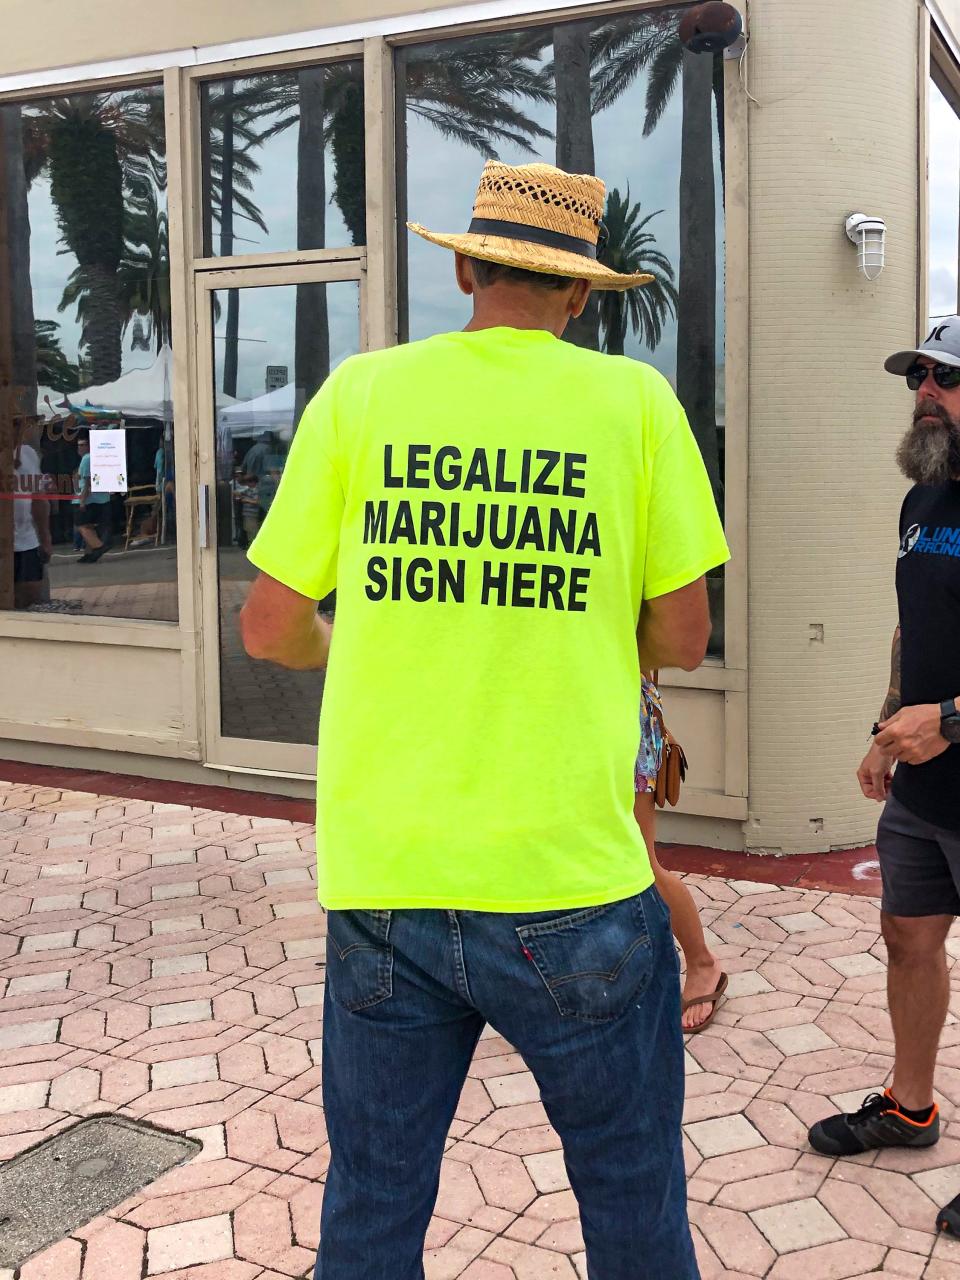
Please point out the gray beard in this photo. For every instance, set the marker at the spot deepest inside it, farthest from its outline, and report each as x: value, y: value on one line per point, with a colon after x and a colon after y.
x: 930, y: 454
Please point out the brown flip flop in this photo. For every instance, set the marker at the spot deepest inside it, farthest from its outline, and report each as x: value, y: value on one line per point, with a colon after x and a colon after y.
x: 714, y: 998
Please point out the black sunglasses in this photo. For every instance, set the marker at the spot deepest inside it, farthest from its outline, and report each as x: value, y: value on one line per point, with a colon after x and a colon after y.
x: 946, y: 376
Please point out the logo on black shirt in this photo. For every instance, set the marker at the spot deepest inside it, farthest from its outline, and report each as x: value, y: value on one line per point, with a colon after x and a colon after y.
x: 908, y: 541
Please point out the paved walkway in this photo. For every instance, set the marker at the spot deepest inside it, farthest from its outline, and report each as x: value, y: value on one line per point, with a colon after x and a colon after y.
x: 165, y: 962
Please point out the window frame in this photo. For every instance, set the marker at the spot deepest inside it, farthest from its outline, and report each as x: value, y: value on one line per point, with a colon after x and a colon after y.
x: 133, y: 632
x: 181, y: 80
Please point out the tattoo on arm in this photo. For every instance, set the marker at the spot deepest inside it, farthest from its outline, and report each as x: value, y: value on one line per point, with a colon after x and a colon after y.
x: 893, y: 701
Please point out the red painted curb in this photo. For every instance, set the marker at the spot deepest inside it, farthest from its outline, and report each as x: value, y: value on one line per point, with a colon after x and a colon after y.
x: 253, y: 804
x: 845, y: 871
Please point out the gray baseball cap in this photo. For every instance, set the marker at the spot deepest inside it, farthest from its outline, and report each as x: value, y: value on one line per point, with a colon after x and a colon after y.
x: 942, y: 344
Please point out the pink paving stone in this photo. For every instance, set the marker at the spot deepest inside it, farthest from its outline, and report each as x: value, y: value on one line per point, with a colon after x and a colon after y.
x: 180, y: 1012
x: 121, y: 1082
x: 263, y: 1231
x: 202, y: 1114
x: 852, y: 1206
x: 799, y: 1225
x: 22, y: 1034
x: 510, y: 1090
x: 184, y: 1071
x: 475, y: 1102
x: 189, y: 1243
x: 485, y: 1269
x: 525, y: 1229
x: 233, y: 1269
x: 191, y: 1206
x: 838, y: 1261
x: 564, y: 1237
x: 460, y: 1196
x: 60, y: 1262
x: 774, y: 1189
x: 743, y: 1165
x: 75, y: 1089
x: 199, y: 1175
x: 183, y: 1097
x: 253, y: 1136
x: 909, y: 1265
x: 450, y: 1259
x: 530, y: 1141
x: 734, y: 1239
x: 300, y: 1124
x: 114, y: 1252
x: 505, y: 1181
x: 529, y: 1262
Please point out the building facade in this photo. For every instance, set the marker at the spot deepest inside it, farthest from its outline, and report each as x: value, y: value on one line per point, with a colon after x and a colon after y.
x: 201, y: 214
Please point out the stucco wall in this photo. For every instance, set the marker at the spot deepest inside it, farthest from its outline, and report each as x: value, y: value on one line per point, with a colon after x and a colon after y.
x: 836, y: 132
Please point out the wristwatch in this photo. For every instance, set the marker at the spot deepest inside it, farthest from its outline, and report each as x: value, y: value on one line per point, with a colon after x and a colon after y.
x: 950, y: 720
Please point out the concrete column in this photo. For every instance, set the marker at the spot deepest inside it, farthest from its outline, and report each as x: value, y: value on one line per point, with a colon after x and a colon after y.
x: 837, y: 132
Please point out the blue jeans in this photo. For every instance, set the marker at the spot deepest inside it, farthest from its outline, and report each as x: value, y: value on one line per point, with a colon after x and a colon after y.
x: 591, y: 1000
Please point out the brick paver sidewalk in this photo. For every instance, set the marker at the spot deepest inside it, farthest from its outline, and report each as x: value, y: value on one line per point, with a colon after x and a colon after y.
x: 167, y: 963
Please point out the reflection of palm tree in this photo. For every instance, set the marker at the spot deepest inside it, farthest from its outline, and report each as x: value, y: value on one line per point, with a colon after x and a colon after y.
x: 96, y: 148
x: 466, y: 90
x: 229, y: 135
x: 142, y: 276
x: 571, y: 74
x: 629, y: 250
x: 53, y: 368
x: 466, y: 95
x: 86, y: 183
x: 312, y: 323
x: 622, y: 49
x: 15, y: 263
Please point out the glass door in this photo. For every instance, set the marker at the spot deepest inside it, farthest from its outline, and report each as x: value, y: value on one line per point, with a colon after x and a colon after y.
x: 268, y: 337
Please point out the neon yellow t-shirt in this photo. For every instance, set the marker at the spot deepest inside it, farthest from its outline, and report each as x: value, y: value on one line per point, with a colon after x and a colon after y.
x: 491, y: 507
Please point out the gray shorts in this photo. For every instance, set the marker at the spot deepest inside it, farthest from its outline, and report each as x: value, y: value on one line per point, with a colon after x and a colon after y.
x: 919, y: 864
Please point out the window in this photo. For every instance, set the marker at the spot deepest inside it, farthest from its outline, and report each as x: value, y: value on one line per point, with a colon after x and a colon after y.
x: 85, y: 283
x: 944, y: 200
x: 283, y: 163
x: 614, y: 96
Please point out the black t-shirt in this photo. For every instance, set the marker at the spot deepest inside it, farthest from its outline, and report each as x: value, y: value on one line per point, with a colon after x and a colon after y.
x: 928, y: 589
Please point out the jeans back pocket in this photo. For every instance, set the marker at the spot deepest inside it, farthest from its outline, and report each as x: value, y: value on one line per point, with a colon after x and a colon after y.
x: 595, y: 963
x: 359, y: 958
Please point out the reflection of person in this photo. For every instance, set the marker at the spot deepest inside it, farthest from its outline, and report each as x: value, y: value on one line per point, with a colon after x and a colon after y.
x: 705, y: 981
x: 262, y: 466
x: 92, y: 510
x: 494, y: 507
x: 32, y: 546
x: 918, y: 840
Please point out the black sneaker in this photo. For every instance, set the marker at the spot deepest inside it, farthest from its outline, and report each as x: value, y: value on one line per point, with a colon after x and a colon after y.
x: 878, y: 1123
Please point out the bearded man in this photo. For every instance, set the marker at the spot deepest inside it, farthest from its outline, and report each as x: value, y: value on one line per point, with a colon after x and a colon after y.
x: 918, y: 734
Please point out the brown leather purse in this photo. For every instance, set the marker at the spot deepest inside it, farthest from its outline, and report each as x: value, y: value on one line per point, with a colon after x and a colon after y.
x: 673, y: 767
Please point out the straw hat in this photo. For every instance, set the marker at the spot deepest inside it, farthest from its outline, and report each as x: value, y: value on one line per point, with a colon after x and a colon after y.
x: 538, y: 218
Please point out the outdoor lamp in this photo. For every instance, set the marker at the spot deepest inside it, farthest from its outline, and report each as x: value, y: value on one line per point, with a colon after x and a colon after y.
x: 870, y: 236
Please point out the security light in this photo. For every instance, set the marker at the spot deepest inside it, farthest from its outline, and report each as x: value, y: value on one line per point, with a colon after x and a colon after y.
x: 870, y: 236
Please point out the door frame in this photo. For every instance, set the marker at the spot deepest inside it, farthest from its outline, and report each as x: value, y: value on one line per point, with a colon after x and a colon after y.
x: 222, y: 751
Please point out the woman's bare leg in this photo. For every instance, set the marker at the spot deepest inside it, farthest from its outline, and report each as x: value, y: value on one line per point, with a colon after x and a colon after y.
x: 703, y: 970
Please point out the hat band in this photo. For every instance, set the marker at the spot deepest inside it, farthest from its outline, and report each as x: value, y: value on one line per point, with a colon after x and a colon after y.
x: 534, y: 235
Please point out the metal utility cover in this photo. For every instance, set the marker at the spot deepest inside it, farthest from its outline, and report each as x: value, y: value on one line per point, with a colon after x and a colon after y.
x: 49, y: 1191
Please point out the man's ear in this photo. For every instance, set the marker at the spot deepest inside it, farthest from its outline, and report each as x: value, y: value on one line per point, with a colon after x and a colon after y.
x: 465, y: 281
x: 579, y: 298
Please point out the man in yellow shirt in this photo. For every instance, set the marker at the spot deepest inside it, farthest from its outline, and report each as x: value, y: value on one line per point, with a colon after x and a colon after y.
x: 515, y: 527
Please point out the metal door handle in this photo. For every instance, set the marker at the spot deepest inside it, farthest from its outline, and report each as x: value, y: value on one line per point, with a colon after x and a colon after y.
x: 203, y: 512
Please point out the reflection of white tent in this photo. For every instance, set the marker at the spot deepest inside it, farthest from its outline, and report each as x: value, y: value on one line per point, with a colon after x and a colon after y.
x: 276, y: 411
x: 49, y: 403
x: 141, y: 393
